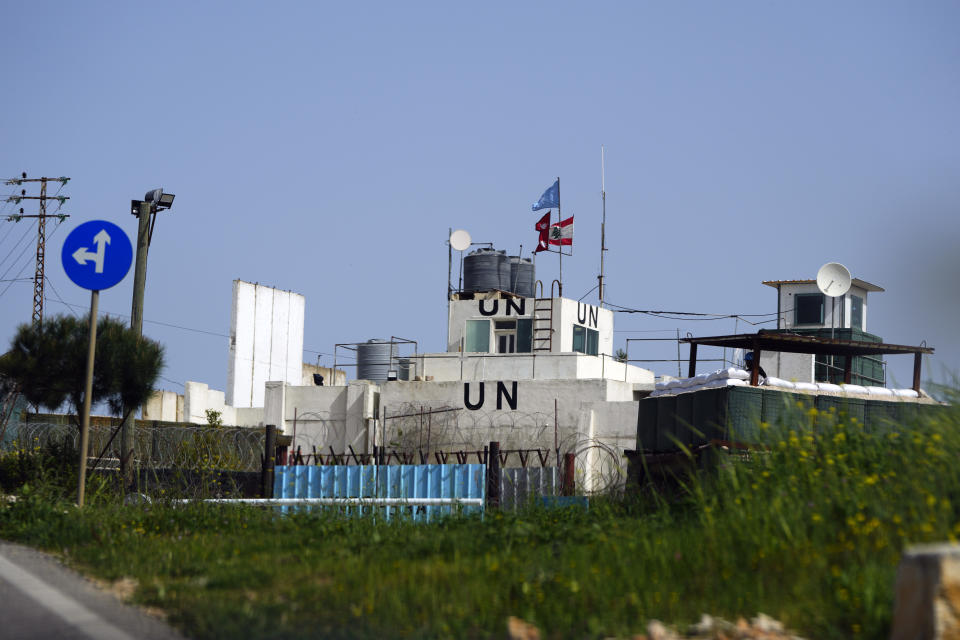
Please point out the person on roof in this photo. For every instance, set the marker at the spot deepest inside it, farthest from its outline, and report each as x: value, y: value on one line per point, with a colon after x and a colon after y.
x: 748, y: 365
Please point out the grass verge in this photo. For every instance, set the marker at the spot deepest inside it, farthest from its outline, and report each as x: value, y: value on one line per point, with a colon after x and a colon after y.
x: 809, y: 530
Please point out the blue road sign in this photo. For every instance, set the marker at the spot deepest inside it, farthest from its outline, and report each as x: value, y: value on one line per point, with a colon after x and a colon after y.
x: 97, y: 255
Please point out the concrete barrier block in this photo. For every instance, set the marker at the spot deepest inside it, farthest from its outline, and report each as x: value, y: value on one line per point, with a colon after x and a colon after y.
x: 927, y: 593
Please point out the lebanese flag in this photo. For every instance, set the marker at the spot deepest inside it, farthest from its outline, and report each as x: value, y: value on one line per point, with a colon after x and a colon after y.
x: 543, y: 226
x: 562, y: 232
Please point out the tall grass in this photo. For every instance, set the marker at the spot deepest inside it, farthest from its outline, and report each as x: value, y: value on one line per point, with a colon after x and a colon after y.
x: 808, y: 528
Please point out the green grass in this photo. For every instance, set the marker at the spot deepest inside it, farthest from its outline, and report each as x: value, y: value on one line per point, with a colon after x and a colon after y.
x: 809, y: 531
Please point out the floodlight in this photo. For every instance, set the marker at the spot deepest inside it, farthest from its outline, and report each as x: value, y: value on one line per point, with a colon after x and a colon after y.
x: 159, y: 199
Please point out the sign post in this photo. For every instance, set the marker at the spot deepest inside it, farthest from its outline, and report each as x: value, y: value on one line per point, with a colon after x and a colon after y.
x: 96, y: 255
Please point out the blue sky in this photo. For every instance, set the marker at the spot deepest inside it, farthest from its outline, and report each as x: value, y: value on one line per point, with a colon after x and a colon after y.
x: 327, y: 148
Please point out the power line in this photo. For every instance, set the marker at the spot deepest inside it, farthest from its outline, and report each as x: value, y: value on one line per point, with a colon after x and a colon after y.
x: 171, y: 381
x: 19, y: 242
x: 168, y: 324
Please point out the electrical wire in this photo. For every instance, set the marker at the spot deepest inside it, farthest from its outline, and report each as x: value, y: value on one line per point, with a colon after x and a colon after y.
x: 80, y: 308
x: 171, y: 381
x: 26, y: 232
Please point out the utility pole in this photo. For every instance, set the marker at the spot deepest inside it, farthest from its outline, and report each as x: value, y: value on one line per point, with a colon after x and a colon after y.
x: 146, y: 212
x: 41, y: 216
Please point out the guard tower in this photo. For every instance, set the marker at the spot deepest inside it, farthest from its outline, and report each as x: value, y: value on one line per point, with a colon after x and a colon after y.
x: 804, y: 309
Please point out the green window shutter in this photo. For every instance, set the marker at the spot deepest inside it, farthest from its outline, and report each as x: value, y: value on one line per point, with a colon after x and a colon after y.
x: 579, y: 338
x: 856, y: 312
x: 524, y: 335
x: 478, y: 336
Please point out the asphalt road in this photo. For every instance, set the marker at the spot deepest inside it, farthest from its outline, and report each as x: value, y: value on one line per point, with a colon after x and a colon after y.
x: 40, y: 598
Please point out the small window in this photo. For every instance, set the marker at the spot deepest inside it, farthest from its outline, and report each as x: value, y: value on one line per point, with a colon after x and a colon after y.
x: 808, y: 308
x: 478, y: 336
x: 505, y: 324
x: 856, y: 312
x: 585, y: 340
x: 524, y: 335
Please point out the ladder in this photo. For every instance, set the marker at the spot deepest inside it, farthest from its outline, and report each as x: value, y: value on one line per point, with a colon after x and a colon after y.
x: 543, y: 324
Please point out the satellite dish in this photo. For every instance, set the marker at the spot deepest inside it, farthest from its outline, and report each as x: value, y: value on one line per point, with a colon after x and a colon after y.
x: 833, y: 279
x: 460, y: 240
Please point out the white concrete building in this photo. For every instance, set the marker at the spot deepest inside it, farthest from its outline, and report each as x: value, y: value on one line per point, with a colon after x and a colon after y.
x: 529, y: 373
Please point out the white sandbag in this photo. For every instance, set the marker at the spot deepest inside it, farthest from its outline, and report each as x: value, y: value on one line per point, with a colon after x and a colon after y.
x: 728, y: 382
x: 779, y: 383
x: 731, y: 373
x: 673, y: 383
x: 879, y: 391
x: 854, y: 388
x: 701, y: 378
x: 805, y: 386
x: 829, y: 387
x: 906, y: 393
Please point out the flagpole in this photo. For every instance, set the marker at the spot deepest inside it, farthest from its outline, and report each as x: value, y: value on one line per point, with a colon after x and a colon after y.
x: 560, y: 252
x: 603, y: 224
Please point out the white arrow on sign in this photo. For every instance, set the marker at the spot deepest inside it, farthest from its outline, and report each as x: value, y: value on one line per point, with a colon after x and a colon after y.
x: 81, y: 255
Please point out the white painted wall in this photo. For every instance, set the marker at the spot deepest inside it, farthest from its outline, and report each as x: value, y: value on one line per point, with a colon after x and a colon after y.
x: 566, y: 313
x: 841, y: 306
x: 165, y: 406
x: 266, y: 341
x: 596, y: 418
x: 199, y: 397
x: 795, y: 367
x: 440, y: 367
x: 587, y: 315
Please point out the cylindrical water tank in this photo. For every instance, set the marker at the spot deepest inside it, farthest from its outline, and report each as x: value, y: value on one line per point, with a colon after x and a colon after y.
x: 374, y: 359
x: 485, y: 270
x: 522, y: 276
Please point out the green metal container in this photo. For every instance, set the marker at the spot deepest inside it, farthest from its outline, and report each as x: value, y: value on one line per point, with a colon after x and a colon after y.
x: 684, y: 425
x: 880, y: 416
x: 666, y: 424
x: 647, y: 424
x: 744, y: 413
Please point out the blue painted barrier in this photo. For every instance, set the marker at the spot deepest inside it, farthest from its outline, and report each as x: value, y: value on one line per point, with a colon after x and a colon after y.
x: 407, y: 482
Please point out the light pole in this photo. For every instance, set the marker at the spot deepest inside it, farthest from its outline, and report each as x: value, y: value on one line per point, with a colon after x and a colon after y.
x: 146, y: 211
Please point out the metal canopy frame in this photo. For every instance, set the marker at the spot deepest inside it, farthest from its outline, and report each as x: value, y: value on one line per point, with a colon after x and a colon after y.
x: 796, y: 343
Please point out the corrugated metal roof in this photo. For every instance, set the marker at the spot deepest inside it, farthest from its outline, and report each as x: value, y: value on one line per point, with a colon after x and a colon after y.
x: 857, y: 282
x: 787, y: 342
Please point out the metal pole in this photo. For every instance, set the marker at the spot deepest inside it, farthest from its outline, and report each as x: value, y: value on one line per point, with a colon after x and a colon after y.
x: 560, y: 219
x: 556, y: 429
x: 493, y: 475
x: 127, y: 430
x: 603, y: 223
x: 88, y: 391
x: 449, y: 275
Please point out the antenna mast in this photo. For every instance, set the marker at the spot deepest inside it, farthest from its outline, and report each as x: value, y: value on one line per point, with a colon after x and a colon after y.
x: 603, y: 225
